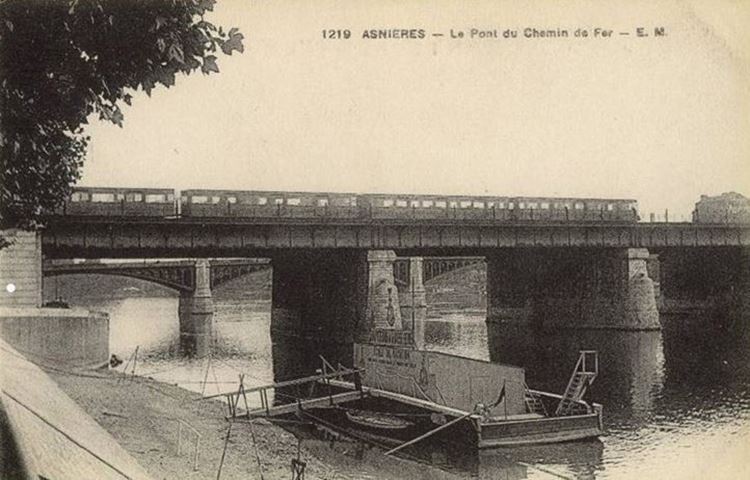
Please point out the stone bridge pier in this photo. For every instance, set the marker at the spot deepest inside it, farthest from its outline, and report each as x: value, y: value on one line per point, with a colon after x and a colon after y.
x: 713, y: 281
x: 413, y: 301
x: 196, y: 312
x: 337, y: 296
x: 606, y: 288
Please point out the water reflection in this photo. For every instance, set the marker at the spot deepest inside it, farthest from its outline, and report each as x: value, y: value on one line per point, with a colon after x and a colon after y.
x: 672, y: 398
x: 631, y: 363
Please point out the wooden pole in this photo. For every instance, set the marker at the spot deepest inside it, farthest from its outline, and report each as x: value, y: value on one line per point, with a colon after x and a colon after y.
x: 505, y: 400
x: 428, y: 434
x: 257, y: 455
x: 135, y: 360
x: 205, y: 377
x: 224, y: 452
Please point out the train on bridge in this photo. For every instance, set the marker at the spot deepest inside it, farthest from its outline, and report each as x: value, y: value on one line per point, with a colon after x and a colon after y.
x: 217, y: 204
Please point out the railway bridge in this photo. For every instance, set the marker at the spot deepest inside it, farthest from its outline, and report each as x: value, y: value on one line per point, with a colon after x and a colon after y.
x: 196, y: 279
x: 343, y: 275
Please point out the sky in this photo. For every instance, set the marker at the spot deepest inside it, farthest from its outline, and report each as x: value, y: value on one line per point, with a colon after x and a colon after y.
x: 658, y: 119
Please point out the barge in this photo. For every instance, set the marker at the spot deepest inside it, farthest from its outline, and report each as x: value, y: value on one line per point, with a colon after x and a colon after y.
x: 403, y: 395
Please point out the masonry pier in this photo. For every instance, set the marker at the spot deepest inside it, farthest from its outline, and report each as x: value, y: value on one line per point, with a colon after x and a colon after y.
x: 413, y: 301
x: 196, y: 312
x: 336, y: 295
x: 699, y: 280
x: 604, y: 288
x: 64, y: 337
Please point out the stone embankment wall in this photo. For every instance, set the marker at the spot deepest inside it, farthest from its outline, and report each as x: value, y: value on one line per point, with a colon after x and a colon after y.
x: 57, y: 337
x: 21, y: 270
x: 61, y: 337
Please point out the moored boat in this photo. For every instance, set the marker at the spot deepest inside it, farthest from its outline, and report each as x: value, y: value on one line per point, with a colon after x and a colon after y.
x: 377, y: 420
x: 407, y: 394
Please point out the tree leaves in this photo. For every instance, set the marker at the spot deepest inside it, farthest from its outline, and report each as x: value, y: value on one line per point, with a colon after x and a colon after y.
x: 209, y: 65
x: 60, y: 61
x: 234, y: 42
x: 175, y: 53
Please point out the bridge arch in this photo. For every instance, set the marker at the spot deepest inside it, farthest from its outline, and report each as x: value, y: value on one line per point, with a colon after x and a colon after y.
x: 432, y: 268
x: 177, y: 275
x: 180, y: 281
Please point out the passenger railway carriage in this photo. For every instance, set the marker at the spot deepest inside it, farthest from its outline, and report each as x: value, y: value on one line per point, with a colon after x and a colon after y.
x: 140, y: 202
x: 267, y: 204
x: 498, y: 208
x: 362, y: 207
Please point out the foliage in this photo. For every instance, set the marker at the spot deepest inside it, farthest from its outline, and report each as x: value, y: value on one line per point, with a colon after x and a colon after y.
x: 61, y: 61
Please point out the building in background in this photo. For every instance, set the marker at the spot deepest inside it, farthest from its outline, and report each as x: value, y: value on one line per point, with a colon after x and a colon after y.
x: 728, y: 207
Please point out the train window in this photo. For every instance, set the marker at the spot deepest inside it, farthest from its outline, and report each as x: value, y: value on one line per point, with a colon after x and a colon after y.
x: 465, y: 203
x: 198, y: 199
x: 387, y: 203
x: 215, y: 200
x: 521, y: 205
x: 610, y: 207
x: 579, y: 206
x: 453, y: 204
x: 545, y: 205
x: 120, y: 196
x: 322, y: 202
x: 155, y: 198
x: 478, y: 204
x: 293, y: 201
x: 511, y: 205
x: 532, y: 205
x: 415, y: 203
x: 170, y: 197
x: 134, y: 197
x: 427, y: 203
x: 76, y: 197
x: 278, y: 201
x: 441, y: 204
x: 353, y: 201
x: 567, y: 205
x: 501, y: 205
x: 231, y: 199
x: 400, y: 203
x: 262, y: 201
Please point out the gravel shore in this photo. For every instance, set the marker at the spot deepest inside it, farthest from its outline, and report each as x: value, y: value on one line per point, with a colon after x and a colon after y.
x: 142, y: 415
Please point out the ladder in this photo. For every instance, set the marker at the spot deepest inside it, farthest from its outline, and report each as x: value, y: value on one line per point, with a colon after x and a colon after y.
x: 534, y: 404
x: 584, y: 373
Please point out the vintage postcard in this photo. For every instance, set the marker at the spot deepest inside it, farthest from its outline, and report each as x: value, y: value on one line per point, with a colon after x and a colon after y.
x: 375, y: 239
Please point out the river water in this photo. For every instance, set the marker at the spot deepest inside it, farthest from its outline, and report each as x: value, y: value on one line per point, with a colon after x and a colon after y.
x: 677, y: 402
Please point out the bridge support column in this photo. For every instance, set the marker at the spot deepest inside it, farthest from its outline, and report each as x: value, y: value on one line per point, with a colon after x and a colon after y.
x: 637, y: 294
x: 707, y: 281
x: 319, y: 294
x: 383, y: 309
x: 653, y: 267
x: 578, y: 289
x: 21, y: 270
x: 339, y: 295
x: 509, y: 286
x: 743, y: 286
x: 196, y: 312
x: 599, y: 289
x: 413, y: 301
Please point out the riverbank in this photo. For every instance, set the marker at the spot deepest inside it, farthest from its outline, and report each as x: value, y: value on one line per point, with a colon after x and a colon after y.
x: 141, y: 414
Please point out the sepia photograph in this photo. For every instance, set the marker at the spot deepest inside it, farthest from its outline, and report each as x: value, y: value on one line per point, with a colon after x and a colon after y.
x: 343, y: 240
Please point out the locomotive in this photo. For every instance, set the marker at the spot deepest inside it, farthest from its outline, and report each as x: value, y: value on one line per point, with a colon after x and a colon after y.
x: 168, y: 203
